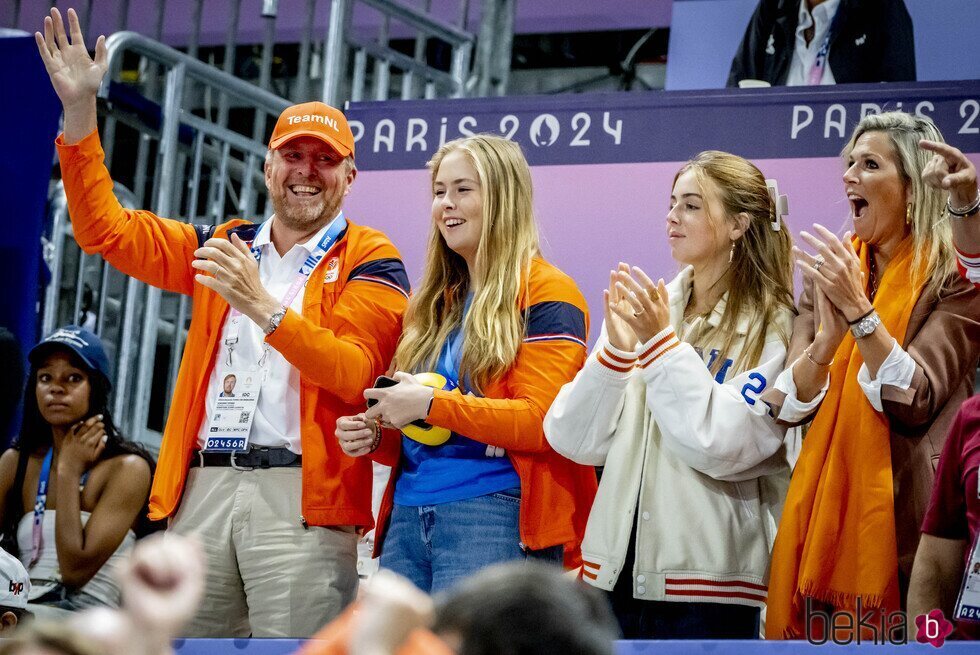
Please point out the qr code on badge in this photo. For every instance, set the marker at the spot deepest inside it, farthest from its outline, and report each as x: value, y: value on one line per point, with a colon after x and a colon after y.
x: 243, y: 418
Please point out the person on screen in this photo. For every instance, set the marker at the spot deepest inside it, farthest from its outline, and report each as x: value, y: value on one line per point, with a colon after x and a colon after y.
x: 814, y: 42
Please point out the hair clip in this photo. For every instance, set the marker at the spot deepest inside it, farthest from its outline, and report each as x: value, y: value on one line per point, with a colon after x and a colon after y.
x: 780, y: 202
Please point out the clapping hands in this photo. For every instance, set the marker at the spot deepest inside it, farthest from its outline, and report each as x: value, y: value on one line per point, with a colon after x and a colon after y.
x: 636, y: 308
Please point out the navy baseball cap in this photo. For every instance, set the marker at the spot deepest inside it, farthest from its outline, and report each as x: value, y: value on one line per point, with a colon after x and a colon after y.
x: 78, y: 340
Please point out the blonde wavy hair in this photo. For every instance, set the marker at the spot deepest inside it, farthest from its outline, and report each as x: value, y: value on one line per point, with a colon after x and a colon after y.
x: 932, y: 235
x: 494, y: 327
x: 761, y: 271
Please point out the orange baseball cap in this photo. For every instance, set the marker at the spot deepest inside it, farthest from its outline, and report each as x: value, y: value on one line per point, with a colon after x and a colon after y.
x: 314, y: 119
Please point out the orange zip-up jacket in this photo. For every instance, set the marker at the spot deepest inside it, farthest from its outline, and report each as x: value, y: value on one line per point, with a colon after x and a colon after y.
x: 556, y: 493
x: 343, y: 340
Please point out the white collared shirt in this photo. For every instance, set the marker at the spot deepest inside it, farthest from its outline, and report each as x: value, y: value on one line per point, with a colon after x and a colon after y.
x: 804, y: 55
x: 277, y: 421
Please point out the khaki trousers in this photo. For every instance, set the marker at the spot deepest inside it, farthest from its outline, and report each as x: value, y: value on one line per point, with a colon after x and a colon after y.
x: 267, y: 575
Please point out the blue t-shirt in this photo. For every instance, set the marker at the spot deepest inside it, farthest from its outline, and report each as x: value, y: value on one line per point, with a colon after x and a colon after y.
x: 460, y: 468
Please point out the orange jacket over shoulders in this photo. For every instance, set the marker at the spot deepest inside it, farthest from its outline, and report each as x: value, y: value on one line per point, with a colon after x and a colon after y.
x: 556, y: 493
x: 343, y: 339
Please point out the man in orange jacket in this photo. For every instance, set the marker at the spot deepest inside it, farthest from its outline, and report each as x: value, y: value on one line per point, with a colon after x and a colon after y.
x: 304, y: 310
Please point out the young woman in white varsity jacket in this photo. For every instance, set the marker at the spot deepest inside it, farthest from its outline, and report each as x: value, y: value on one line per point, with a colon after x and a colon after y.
x: 668, y: 402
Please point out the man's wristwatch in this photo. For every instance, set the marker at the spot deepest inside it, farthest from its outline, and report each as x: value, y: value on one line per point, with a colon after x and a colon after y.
x: 866, y: 325
x: 274, y: 321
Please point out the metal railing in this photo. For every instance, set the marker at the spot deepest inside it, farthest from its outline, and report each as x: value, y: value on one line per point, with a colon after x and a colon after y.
x: 394, y: 49
x: 388, y: 64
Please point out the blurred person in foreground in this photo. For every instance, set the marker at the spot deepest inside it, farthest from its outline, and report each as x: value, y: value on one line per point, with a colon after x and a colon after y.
x: 530, y: 609
x: 162, y: 583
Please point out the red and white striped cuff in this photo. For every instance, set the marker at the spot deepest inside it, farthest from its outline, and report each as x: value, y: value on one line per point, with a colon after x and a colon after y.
x: 970, y: 264
x: 661, y: 343
x: 721, y: 591
x: 590, y: 570
x: 615, y: 360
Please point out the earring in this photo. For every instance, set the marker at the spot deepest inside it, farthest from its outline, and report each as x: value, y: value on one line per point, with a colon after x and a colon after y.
x: 731, y: 253
x: 908, y: 214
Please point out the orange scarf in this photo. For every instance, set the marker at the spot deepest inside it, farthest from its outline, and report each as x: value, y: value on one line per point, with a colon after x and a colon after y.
x: 836, y: 540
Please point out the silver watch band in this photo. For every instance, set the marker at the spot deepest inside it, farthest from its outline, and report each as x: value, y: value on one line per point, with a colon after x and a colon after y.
x: 275, y: 320
x: 866, y: 325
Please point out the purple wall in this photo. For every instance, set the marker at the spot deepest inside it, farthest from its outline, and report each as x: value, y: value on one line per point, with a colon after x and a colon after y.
x: 600, y: 201
x: 592, y: 217
x: 533, y: 16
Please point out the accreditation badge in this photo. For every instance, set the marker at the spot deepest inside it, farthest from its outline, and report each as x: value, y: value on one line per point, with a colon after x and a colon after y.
x: 968, y: 603
x: 234, y: 410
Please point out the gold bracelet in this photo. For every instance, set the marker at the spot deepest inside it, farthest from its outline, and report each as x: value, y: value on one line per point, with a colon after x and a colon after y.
x: 377, y: 435
x: 806, y: 351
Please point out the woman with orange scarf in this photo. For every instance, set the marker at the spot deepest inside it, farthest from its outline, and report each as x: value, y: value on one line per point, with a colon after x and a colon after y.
x: 883, y: 352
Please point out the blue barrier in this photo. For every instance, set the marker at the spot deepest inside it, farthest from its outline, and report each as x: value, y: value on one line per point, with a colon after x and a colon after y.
x: 29, y: 114
x: 286, y: 646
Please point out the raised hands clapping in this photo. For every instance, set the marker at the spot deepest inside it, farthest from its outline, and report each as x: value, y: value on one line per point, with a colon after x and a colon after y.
x: 638, y: 303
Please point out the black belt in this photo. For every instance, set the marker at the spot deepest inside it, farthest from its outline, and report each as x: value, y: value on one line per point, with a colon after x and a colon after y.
x: 256, y: 458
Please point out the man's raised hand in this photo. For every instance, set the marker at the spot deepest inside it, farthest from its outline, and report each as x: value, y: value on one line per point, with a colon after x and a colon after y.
x: 74, y: 75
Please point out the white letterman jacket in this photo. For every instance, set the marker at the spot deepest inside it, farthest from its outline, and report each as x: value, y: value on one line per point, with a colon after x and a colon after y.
x: 701, y: 461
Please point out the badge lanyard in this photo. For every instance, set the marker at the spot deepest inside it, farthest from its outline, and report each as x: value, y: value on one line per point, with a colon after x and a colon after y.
x: 39, y: 505
x: 326, y: 242
x: 816, y: 71
x: 967, y: 606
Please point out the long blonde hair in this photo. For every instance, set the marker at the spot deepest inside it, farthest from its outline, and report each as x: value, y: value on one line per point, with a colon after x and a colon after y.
x: 494, y: 327
x: 761, y: 271
x: 932, y: 235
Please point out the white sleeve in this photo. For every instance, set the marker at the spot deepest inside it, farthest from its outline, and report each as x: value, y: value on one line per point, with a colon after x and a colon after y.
x: 793, y: 409
x: 896, y: 371
x: 971, y: 266
x: 582, y: 419
x: 721, y: 429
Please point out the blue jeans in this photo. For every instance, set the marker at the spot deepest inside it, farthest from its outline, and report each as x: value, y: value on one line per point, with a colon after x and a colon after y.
x: 435, y: 546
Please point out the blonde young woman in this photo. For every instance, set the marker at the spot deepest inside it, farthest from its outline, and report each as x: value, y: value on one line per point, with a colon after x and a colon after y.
x: 884, y: 352
x: 506, y: 330
x: 668, y: 403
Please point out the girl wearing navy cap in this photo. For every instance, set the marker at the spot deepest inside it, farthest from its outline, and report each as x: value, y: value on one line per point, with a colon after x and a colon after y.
x: 88, y: 486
